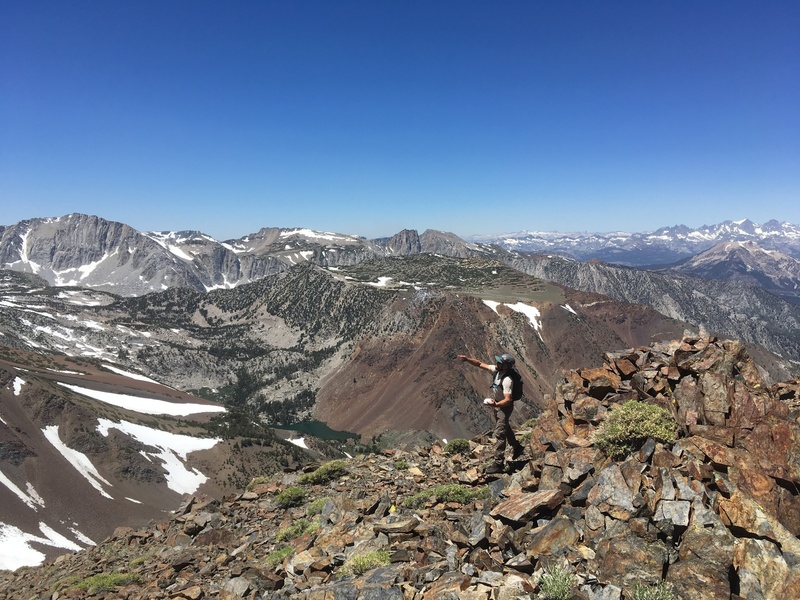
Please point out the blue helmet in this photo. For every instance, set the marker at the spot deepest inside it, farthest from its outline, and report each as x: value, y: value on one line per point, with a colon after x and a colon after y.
x: 505, y: 360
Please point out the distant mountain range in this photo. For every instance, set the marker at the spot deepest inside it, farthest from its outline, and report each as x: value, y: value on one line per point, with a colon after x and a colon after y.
x: 664, y: 246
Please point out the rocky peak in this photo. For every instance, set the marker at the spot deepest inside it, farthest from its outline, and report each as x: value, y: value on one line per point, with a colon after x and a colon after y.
x: 405, y: 243
x: 714, y: 515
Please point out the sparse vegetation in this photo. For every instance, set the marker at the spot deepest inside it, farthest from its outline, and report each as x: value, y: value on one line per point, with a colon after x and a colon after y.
x: 324, y: 474
x: 556, y: 583
x: 457, y: 446
x: 102, y: 582
x: 628, y: 426
x: 451, y: 492
x: 291, y: 496
x: 279, y: 556
x: 296, y: 529
x: 660, y: 591
x: 316, y: 506
x: 401, y: 465
x: 256, y: 481
x: 361, y: 563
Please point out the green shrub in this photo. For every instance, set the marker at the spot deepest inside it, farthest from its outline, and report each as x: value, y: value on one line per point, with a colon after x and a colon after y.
x: 315, y: 508
x: 556, y: 584
x: 279, y: 556
x: 457, y: 446
x: 660, y: 591
x: 254, y: 482
x: 296, y: 529
x: 401, y: 465
x: 628, y: 427
x: 452, y: 492
x: 361, y: 563
x: 291, y: 496
x: 325, y: 473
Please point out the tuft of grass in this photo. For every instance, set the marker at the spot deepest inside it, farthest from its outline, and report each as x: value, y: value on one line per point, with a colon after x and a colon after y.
x: 105, y: 582
x: 325, y: 473
x: 291, y: 496
x: 278, y: 556
x: 296, y: 529
x: 660, y: 591
x: 451, y: 492
x: 254, y: 482
x: 315, y: 508
x: 556, y: 583
x: 628, y: 426
x: 457, y: 446
x: 361, y: 563
x: 401, y: 465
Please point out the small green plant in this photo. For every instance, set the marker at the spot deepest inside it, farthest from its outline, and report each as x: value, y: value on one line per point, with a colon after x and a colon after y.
x: 628, y: 427
x: 315, y: 508
x: 556, y: 584
x: 457, y: 446
x: 401, y: 465
x: 254, y: 482
x: 296, y: 529
x: 361, y: 563
x: 451, y: 492
x: 279, y: 556
x: 324, y: 474
x: 530, y: 422
x: 660, y: 591
x: 291, y: 496
x: 106, y: 582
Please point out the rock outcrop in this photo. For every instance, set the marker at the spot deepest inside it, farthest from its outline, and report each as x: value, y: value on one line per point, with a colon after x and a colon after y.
x: 714, y: 514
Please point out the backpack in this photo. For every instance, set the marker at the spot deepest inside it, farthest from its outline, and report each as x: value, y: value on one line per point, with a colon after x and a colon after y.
x: 516, y: 378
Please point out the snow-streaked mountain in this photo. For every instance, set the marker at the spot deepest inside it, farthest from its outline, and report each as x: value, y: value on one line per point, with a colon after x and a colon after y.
x: 770, y: 270
x: 91, y: 252
x: 85, y: 446
x: 664, y: 246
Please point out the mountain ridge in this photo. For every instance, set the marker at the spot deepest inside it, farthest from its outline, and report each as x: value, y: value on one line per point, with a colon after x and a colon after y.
x: 661, y: 247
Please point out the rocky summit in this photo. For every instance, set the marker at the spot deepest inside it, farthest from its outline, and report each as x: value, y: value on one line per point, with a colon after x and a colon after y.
x: 712, y: 514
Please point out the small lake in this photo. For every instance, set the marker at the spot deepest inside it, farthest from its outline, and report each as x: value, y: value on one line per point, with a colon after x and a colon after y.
x: 318, y: 429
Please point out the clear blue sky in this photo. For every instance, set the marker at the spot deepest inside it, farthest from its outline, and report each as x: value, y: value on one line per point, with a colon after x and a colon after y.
x: 374, y: 116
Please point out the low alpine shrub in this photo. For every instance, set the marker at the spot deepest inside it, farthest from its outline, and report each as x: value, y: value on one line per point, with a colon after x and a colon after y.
x: 361, y: 563
x: 291, y: 496
x: 660, y: 591
x: 557, y: 584
x: 296, y: 529
x: 315, y: 508
x: 628, y: 426
x: 457, y: 446
x: 452, y: 492
x: 324, y: 474
x: 279, y: 556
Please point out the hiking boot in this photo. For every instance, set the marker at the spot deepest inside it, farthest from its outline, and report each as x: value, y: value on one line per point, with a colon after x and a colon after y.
x: 518, y: 451
x: 494, y: 468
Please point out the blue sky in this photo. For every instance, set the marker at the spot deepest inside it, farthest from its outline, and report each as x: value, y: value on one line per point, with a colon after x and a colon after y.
x: 374, y: 116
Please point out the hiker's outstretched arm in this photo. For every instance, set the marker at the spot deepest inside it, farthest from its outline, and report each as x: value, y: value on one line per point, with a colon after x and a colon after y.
x: 474, y: 362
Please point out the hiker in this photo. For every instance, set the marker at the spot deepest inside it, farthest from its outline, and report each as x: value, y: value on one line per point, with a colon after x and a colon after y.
x: 502, y: 401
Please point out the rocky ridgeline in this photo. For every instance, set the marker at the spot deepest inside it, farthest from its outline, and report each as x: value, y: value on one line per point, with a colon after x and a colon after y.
x: 715, y: 514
